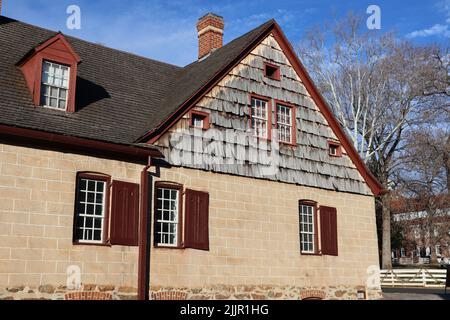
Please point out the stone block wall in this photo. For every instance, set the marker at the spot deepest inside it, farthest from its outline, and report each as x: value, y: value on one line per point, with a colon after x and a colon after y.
x: 253, y: 229
x: 37, y: 195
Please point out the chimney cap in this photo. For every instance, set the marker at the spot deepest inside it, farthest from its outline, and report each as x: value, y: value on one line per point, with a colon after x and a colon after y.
x: 210, y: 14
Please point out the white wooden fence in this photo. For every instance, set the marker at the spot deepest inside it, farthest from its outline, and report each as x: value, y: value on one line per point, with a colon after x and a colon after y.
x: 428, y: 278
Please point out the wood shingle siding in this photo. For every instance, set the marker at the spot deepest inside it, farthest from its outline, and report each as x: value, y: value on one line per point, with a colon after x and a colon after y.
x: 308, y: 163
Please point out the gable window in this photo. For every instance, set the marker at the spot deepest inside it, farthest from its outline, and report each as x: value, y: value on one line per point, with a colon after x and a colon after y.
x: 199, y: 120
x: 260, y: 120
x: 168, y: 215
x: 272, y: 71
x: 334, y: 149
x: 55, y: 85
x: 285, y: 123
x: 90, y: 209
x: 307, y: 227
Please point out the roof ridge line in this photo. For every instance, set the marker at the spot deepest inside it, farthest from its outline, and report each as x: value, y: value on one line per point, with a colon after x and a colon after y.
x: 90, y: 42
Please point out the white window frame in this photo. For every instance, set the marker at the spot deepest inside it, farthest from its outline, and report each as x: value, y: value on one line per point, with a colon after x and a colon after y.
x: 258, y: 119
x: 86, y: 215
x: 284, y: 127
x: 160, y: 222
x: 307, y: 218
x: 50, y: 86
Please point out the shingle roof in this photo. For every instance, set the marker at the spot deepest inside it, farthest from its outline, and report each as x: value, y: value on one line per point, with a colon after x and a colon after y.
x: 120, y: 96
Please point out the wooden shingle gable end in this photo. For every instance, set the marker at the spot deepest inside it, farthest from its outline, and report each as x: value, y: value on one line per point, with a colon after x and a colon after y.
x: 274, y: 30
x: 56, y: 50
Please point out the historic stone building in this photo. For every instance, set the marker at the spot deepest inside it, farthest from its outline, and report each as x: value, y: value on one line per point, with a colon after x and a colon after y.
x: 125, y: 177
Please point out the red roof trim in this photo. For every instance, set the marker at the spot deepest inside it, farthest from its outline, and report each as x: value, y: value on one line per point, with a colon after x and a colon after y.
x: 156, y: 133
x: 76, y: 144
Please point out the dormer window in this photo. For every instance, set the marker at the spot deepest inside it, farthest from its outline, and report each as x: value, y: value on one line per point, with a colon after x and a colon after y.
x: 50, y: 71
x: 55, y: 85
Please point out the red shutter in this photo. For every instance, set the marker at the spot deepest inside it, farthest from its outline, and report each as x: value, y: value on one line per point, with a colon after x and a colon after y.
x: 124, y: 213
x: 328, y: 230
x: 196, y: 220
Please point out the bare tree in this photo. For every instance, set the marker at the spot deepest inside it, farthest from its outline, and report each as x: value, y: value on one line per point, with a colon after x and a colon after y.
x: 377, y: 87
x: 423, y: 178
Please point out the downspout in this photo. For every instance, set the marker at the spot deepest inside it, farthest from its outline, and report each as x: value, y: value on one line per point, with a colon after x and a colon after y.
x: 144, y: 234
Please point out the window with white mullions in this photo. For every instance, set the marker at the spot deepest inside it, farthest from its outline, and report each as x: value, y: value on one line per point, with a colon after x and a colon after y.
x: 307, y: 228
x: 260, y: 118
x: 167, y: 213
x: 284, y: 123
x: 90, y: 210
x: 55, y: 85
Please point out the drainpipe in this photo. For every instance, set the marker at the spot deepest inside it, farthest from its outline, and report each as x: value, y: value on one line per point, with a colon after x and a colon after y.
x: 144, y: 234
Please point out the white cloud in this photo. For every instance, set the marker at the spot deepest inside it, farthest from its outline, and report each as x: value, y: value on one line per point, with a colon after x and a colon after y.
x: 437, y: 29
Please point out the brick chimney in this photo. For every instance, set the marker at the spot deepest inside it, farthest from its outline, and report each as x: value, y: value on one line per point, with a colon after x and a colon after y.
x: 210, y: 33
x: 0, y: 7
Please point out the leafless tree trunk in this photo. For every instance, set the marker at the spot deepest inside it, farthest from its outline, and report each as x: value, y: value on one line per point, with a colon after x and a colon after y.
x: 386, y: 261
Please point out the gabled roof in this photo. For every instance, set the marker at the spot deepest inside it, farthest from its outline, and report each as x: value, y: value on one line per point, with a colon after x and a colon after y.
x: 117, y: 92
x: 42, y: 46
x: 126, y: 99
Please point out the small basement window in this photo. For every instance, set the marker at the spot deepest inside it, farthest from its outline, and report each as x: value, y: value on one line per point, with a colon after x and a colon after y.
x: 272, y: 71
x: 199, y: 120
x: 334, y: 149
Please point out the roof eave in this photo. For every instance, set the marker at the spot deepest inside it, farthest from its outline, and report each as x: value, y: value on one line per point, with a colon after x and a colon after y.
x: 76, y: 144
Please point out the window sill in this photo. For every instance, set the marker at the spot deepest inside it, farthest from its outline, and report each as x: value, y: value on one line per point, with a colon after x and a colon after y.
x: 287, y: 144
x: 100, y: 244
x: 310, y: 254
x: 167, y: 247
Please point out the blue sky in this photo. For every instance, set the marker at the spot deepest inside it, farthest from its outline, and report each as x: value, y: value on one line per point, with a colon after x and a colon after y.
x: 165, y: 30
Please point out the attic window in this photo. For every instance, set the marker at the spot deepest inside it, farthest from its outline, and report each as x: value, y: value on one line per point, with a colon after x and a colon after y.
x: 199, y: 120
x: 50, y: 71
x: 55, y: 85
x: 272, y: 71
x: 334, y: 149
